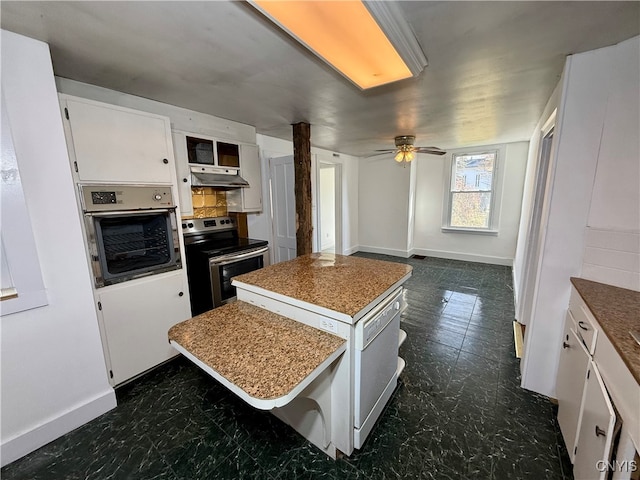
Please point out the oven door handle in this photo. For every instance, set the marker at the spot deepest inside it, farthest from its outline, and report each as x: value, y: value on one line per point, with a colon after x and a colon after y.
x: 231, y: 258
x: 115, y: 213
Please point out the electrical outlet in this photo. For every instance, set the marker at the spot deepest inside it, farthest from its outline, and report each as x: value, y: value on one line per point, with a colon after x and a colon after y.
x: 329, y: 325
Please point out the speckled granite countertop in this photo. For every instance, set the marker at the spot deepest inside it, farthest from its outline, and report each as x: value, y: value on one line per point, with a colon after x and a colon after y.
x: 337, y: 282
x: 263, y: 353
x: 617, y: 311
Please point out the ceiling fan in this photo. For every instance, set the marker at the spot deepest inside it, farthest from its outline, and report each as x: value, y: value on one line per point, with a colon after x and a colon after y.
x: 405, y: 151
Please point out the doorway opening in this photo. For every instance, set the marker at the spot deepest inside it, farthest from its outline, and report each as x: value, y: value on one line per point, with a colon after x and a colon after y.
x: 329, y: 223
x: 537, y: 222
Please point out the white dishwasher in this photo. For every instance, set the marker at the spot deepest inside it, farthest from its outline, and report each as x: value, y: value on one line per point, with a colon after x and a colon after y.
x: 376, y: 363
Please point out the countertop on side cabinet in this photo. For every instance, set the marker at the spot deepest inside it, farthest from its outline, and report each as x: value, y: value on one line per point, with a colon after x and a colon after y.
x: 617, y: 311
x: 263, y: 353
x: 336, y: 282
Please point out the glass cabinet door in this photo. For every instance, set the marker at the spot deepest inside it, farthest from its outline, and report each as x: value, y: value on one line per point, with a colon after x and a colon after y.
x: 228, y: 155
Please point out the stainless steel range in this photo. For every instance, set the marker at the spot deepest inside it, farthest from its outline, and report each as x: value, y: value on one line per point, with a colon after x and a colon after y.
x: 215, y: 254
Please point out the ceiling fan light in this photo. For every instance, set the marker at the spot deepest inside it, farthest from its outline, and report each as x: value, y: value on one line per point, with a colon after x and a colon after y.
x: 399, y: 156
x: 409, y: 156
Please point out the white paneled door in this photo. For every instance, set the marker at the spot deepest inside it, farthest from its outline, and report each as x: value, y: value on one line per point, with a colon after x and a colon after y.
x: 284, y: 208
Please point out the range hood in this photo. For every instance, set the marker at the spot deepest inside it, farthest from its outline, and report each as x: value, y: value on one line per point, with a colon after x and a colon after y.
x: 216, y: 177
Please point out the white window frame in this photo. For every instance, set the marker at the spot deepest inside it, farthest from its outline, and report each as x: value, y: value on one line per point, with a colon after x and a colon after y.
x: 496, y: 191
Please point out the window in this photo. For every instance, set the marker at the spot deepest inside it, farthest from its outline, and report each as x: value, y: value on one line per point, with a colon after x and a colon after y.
x: 22, y: 287
x: 471, y: 192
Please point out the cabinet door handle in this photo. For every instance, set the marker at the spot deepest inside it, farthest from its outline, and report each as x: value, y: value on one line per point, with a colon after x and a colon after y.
x: 565, y: 345
x: 581, y: 325
x: 165, y: 161
x: 181, y: 294
x: 185, y: 180
x: 600, y: 432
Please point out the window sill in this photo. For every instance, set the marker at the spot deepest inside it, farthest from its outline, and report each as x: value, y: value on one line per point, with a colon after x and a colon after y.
x: 473, y: 231
x: 8, y: 294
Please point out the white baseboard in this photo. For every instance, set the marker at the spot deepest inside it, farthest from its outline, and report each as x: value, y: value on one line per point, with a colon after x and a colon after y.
x: 27, y: 442
x: 468, y: 257
x: 385, y: 251
x: 351, y: 250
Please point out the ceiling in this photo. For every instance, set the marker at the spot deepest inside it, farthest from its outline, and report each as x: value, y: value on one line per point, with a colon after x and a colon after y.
x: 492, y: 65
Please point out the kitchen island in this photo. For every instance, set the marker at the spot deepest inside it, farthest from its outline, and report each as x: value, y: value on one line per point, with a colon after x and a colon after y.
x: 350, y: 305
x: 342, y: 287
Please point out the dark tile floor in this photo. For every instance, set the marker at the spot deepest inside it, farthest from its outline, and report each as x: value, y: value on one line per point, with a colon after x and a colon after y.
x: 458, y: 412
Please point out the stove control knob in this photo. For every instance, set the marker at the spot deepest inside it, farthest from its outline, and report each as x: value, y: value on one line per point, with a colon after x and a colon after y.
x: 157, y: 197
x: 190, y: 225
x: 184, y: 225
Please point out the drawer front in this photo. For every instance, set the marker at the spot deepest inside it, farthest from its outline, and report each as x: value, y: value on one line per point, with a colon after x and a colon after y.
x: 586, y: 326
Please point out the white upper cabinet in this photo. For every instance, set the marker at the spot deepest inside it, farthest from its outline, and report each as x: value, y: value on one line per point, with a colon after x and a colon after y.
x: 108, y: 143
x: 247, y: 199
x: 203, y: 151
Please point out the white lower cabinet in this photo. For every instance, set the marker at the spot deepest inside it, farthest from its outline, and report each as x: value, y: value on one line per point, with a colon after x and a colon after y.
x: 586, y: 414
x: 595, y: 437
x: 135, y: 317
x: 572, y: 372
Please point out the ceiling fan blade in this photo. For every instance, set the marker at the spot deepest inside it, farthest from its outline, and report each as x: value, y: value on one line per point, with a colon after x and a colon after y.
x: 387, y: 150
x: 379, y: 153
x: 430, y: 150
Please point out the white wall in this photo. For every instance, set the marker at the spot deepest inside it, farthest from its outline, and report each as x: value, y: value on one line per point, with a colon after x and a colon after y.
x: 612, y: 247
x: 612, y: 257
x: 181, y: 118
x: 53, y: 372
x: 429, y: 239
x: 615, y: 203
x: 384, y: 205
x: 590, y: 99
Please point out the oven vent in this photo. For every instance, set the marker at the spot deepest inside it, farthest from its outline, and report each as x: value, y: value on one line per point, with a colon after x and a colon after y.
x: 216, y: 177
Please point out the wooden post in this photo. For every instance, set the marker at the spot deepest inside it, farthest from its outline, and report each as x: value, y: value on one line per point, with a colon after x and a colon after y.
x: 302, y: 169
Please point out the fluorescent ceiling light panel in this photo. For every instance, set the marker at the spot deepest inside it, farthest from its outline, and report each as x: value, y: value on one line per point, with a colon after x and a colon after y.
x: 368, y: 51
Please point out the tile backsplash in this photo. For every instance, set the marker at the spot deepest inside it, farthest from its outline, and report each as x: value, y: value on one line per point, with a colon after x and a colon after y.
x: 208, y: 202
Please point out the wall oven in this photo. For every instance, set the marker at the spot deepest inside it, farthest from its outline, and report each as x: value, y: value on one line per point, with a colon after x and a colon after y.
x: 131, y: 231
x: 215, y: 254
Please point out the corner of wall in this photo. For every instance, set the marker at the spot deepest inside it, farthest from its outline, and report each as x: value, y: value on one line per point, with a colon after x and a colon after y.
x: 75, y: 417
